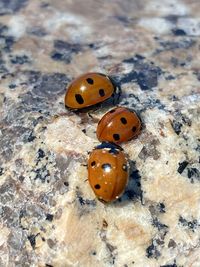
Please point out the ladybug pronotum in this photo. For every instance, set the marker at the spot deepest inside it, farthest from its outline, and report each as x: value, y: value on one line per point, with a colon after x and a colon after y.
x: 90, y: 89
x: 108, y: 171
x: 118, y: 125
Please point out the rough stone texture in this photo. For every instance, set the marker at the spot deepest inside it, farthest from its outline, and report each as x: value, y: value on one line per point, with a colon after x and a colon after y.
x: 49, y: 215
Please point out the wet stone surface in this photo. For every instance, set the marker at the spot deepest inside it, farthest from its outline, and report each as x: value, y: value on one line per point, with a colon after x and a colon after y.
x: 49, y: 216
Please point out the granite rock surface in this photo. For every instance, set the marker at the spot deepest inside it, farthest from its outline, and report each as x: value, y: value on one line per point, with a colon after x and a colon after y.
x: 49, y: 215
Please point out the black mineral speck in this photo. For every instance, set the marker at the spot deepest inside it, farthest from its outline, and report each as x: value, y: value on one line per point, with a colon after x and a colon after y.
x: 133, y: 189
x: 20, y: 60
x: 31, y: 238
x: 191, y: 225
x: 41, y: 153
x: 181, y: 44
x: 12, y: 86
x: 42, y: 174
x: 193, y: 174
x: 58, y: 56
x: 156, y: 223
x: 161, y: 207
x: 49, y: 217
x: 11, y: 6
x: 179, y: 32
x: 48, y: 85
x: 145, y: 74
x: 182, y: 166
x: 170, y: 77
x: 3, y: 29
x: 63, y: 51
x: 8, y: 43
x: 37, y: 31
x: 152, y: 251
x: 85, y: 202
x: 66, y: 184
x: 169, y: 265
x: 1, y: 171
x: 31, y: 137
x: 172, y: 244
x: 176, y: 126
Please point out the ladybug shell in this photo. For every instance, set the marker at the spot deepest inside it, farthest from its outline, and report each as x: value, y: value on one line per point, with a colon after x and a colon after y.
x: 87, y: 90
x: 118, y: 125
x: 107, y: 173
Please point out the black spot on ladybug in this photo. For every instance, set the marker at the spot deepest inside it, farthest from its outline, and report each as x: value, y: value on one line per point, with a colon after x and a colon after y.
x: 90, y: 81
x: 101, y: 92
x: 116, y: 137
x: 125, y: 167
x: 112, y: 111
x: 93, y: 163
x: 106, y: 167
x: 79, y: 99
x: 134, y: 129
x: 123, y: 120
x: 97, y: 186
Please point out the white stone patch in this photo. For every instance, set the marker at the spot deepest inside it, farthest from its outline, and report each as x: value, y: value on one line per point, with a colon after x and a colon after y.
x: 191, y: 99
x: 64, y: 136
x: 167, y: 7
x: 157, y: 25
x: 17, y: 26
x: 76, y: 25
x: 190, y: 25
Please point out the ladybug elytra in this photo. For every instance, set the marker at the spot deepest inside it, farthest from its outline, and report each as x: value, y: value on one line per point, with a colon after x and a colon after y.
x: 89, y: 89
x: 108, y: 171
x: 118, y: 125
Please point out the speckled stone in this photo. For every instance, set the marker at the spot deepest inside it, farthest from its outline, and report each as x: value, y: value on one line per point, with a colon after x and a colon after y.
x: 49, y: 215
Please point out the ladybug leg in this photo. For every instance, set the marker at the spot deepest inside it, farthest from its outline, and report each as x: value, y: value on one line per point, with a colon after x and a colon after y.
x: 84, y: 165
x: 92, y: 116
x: 117, y: 91
x: 102, y: 201
x: 116, y: 95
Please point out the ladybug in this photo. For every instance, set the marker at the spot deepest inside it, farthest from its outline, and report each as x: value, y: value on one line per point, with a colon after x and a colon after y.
x: 108, y: 171
x: 118, y: 125
x: 90, y: 89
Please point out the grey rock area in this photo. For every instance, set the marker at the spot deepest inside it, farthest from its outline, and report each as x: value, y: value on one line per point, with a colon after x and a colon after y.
x: 49, y: 214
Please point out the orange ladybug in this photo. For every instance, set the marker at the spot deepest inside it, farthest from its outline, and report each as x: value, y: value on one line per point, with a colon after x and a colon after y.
x: 90, y: 89
x: 108, y: 171
x: 118, y: 125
